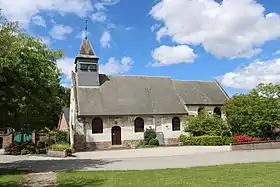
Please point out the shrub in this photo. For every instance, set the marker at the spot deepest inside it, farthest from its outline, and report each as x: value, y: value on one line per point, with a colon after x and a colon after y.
x: 17, y: 148
x: 41, y: 144
x: 60, y: 137
x: 61, y: 147
x: 49, y: 142
x: 241, y: 139
x: 150, y: 139
x: 149, y: 134
x: 154, y: 142
x: 229, y: 140
x: 182, y: 138
x: 206, y: 140
x: 206, y: 124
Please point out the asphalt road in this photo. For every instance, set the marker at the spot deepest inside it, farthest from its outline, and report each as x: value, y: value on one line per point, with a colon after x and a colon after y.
x: 45, y: 164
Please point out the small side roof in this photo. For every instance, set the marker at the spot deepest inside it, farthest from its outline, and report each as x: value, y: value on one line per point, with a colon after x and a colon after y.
x: 200, y: 92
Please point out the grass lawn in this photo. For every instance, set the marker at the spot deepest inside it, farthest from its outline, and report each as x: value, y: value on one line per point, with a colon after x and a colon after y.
x: 9, y: 178
x: 260, y: 174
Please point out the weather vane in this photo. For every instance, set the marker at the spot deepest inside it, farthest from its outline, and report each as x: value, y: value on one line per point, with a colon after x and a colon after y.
x: 86, y: 30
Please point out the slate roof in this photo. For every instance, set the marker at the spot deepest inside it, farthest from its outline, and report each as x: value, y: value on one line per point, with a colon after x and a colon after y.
x: 86, y: 50
x: 200, y: 92
x: 143, y: 95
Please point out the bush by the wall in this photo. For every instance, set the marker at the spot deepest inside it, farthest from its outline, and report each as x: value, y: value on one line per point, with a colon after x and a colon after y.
x: 149, y: 134
x: 21, y: 148
x: 49, y: 142
x: 154, y: 142
x: 150, y: 139
x: 206, y: 140
x: 229, y: 140
x: 60, y: 137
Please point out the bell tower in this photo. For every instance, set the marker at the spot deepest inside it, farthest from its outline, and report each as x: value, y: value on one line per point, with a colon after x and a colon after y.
x: 86, y: 65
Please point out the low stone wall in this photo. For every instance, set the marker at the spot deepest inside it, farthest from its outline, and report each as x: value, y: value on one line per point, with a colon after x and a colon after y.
x: 55, y: 153
x: 256, y: 145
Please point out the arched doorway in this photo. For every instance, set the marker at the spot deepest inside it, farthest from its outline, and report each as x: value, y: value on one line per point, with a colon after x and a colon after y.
x: 1, y: 142
x: 116, y: 135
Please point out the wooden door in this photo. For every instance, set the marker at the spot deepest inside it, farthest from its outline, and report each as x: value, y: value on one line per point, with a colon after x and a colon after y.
x: 116, y: 135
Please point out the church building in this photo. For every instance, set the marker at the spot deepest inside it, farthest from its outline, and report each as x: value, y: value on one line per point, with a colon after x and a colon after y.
x: 109, y: 111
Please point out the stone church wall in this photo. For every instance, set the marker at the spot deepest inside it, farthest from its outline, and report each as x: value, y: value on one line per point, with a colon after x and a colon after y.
x: 86, y: 141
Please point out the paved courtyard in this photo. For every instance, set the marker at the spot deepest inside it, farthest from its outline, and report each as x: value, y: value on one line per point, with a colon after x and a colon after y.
x: 88, y: 161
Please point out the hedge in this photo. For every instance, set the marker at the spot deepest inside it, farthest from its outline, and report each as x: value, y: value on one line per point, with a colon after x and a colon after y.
x: 206, y: 140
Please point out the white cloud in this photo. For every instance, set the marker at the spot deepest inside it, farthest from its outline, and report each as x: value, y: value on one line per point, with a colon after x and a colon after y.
x: 250, y: 76
x: 99, y: 16
x: 59, y: 31
x: 155, y: 27
x: 114, y: 66
x: 45, y: 40
x: 66, y: 65
x: 128, y: 28
x: 277, y: 52
x: 39, y: 20
x: 167, y: 55
x: 102, y: 4
x: 232, y: 28
x: 23, y: 10
x: 82, y: 35
x: 105, y: 39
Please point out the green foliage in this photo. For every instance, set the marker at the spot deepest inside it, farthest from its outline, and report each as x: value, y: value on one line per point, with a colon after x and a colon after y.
x: 154, y: 142
x: 150, y: 139
x: 29, y: 80
x: 255, y: 114
x: 206, y: 140
x: 61, y: 147
x: 206, y: 124
x: 21, y: 148
x: 49, y: 142
x: 41, y: 144
x: 228, y: 140
x: 149, y: 134
x: 60, y: 137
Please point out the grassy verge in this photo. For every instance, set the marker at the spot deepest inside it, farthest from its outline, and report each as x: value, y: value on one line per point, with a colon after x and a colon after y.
x: 9, y: 178
x: 260, y: 174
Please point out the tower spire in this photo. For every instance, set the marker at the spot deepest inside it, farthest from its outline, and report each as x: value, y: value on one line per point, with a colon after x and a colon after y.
x: 86, y: 30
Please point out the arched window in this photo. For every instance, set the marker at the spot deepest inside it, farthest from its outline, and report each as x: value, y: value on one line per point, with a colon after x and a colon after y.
x: 139, y: 125
x: 200, y: 110
x: 176, y: 124
x: 217, y: 111
x: 97, y: 126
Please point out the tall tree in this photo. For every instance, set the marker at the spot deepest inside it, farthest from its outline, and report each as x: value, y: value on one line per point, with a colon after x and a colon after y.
x: 255, y: 114
x: 30, y: 90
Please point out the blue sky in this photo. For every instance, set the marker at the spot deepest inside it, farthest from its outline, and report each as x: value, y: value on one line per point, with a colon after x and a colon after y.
x: 234, y: 41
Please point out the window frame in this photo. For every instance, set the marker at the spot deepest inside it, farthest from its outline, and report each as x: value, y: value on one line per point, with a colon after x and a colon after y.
x: 94, y: 123
x: 137, y: 122
x: 176, y: 124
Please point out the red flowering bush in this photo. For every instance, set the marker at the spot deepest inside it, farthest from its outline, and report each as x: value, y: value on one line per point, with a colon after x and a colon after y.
x: 241, y: 139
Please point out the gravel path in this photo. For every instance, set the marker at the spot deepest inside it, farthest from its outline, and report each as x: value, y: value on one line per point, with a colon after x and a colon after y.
x: 39, y: 180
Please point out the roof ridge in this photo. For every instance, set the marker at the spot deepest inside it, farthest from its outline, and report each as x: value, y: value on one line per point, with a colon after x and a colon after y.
x: 221, y: 88
x: 194, y: 80
x: 139, y: 76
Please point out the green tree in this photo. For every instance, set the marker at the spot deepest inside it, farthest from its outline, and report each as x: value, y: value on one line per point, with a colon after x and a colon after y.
x: 206, y: 124
x: 30, y: 90
x: 255, y: 114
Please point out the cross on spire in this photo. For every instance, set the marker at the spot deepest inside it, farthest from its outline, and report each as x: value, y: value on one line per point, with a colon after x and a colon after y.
x: 86, y: 30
